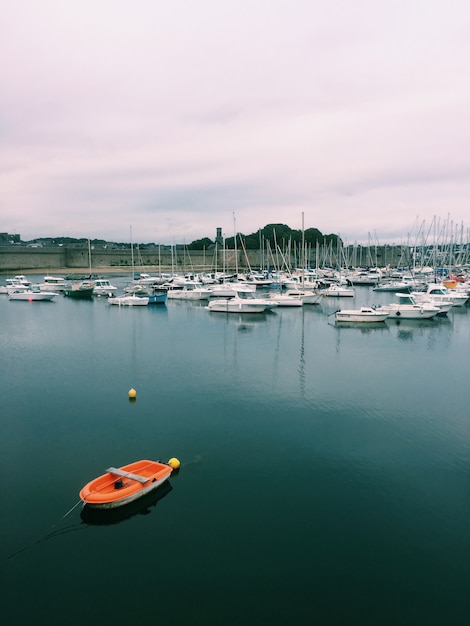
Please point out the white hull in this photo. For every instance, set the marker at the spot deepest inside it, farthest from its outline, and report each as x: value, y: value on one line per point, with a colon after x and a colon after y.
x: 104, y: 288
x: 18, y: 281
x: 410, y: 311
x: 31, y: 296
x: 393, y: 287
x: 307, y: 296
x: 52, y: 283
x: 338, y: 292
x: 135, y: 496
x: 235, y: 305
x: 285, y: 300
x: 438, y: 293
x: 454, y: 299
x: 129, y: 301
x: 229, y: 290
x: 364, y: 314
x: 189, y: 294
x: 408, y: 298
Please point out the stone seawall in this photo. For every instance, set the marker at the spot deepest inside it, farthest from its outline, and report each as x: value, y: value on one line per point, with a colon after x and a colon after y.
x: 18, y: 259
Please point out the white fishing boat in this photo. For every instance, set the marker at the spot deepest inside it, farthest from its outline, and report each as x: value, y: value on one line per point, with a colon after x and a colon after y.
x: 364, y: 314
x: 30, y: 294
x: 54, y: 283
x: 102, y: 287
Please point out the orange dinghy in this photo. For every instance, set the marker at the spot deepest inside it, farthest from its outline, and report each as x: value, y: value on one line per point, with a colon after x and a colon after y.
x: 121, y: 485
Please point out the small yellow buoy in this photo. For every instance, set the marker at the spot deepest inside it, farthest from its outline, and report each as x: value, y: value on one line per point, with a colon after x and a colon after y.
x: 174, y: 463
x: 132, y: 393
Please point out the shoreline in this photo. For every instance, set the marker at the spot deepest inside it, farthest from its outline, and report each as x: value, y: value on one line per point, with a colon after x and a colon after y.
x: 84, y: 271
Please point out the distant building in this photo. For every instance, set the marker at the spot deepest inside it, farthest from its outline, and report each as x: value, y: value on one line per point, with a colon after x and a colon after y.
x: 219, y: 240
x: 6, y: 239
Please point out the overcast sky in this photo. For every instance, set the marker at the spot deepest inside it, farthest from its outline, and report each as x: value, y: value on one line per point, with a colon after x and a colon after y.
x: 179, y: 116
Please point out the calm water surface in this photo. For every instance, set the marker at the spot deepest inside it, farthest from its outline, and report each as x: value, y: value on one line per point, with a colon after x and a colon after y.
x: 325, y: 470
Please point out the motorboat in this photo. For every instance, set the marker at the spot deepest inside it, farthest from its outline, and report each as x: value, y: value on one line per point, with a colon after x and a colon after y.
x: 102, y: 287
x: 138, y: 289
x: 306, y: 295
x: 259, y: 279
x: 287, y: 299
x: 410, y: 311
x: 30, y: 294
x: 364, y: 277
x: 229, y: 290
x: 82, y: 290
x: 129, y: 300
x: 338, y: 291
x: 154, y: 293
x: 364, y: 314
x: 147, y: 279
x: 408, y: 298
x: 394, y: 286
x: 53, y: 283
x: 236, y: 305
x: 19, y: 280
x: 269, y: 303
x: 119, y: 486
x: 195, y: 291
x: 440, y: 293
x: 157, y: 295
x: 106, y: 517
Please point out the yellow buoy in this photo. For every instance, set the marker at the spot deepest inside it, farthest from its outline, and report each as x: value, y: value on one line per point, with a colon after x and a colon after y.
x: 174, y: 463
x: 132, y: 393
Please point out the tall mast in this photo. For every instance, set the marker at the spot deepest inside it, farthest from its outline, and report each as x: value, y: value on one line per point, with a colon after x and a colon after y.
x: 303, y: 251
x: 132, y: 253
x: 235, y: 244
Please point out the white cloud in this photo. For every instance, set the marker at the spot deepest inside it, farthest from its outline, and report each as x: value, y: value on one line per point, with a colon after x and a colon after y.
x: 171, y: 116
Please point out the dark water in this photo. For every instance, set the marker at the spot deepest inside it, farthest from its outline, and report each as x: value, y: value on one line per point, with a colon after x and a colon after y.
x: 325, y: 471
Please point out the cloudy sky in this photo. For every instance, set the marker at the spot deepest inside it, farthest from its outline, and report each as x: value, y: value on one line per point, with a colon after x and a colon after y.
x: 176, y: 117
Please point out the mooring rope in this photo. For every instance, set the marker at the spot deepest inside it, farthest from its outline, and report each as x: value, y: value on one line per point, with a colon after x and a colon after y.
x: 68, y: 512
x: 53, y: 533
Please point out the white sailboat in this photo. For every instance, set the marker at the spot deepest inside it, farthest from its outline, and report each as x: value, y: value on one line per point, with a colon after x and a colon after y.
x: 130, y: 299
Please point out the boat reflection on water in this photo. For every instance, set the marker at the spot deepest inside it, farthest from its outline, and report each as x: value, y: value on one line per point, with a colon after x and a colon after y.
x: 100, y: 517
x: 363, y: 328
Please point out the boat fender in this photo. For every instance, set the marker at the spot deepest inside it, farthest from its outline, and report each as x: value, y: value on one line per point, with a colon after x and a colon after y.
x: 398, y: 313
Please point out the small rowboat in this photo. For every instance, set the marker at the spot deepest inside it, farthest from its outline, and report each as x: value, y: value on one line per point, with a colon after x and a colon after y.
x: 106, y: 517
x: 121, y: 485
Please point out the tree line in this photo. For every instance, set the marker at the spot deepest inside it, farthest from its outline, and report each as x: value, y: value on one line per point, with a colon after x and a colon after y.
x: 272, y: 234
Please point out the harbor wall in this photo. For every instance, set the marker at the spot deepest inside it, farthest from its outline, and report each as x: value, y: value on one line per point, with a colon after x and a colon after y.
x: 17, y: 259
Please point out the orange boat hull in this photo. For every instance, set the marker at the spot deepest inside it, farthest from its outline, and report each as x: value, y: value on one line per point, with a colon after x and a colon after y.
x: 119, y: 486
